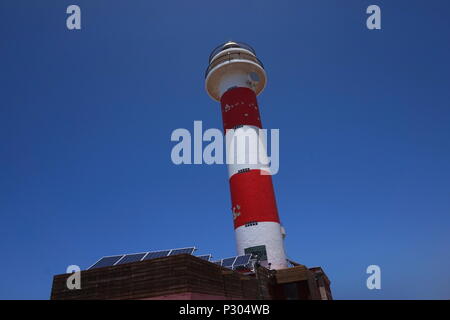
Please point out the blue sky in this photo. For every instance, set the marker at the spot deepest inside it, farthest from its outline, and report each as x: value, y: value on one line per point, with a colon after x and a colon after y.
x: 364, y: 118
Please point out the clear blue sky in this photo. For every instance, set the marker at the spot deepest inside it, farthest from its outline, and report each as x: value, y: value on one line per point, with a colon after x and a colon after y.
x: 364, y: 118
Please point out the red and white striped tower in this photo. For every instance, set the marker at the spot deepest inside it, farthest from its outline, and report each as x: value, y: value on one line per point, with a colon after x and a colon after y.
x: 235, y: 77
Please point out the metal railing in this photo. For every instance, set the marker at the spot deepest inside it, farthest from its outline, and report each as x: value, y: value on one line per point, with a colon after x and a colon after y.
x: 229, y: 56
x: 229, y: 45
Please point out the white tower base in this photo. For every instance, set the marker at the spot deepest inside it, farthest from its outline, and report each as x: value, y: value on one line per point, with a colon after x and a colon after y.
x: 268, y: 234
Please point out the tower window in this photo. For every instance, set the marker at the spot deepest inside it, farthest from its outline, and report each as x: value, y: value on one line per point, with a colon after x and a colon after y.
x: 259, y: 251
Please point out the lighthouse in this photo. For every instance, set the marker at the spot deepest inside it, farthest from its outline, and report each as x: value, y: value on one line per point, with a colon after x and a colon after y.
x: 235, y: 77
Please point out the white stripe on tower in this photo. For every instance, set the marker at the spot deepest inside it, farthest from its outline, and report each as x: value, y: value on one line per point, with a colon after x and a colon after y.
x: 246, y: 150
x: 235, y: 77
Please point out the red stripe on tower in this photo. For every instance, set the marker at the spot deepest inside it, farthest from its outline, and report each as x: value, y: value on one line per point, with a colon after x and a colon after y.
x: 253, y: 193
x: 239, y: 107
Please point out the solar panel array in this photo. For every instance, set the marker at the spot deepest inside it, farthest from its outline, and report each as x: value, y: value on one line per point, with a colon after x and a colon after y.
x: 128, y: 258
x: 235, y: 262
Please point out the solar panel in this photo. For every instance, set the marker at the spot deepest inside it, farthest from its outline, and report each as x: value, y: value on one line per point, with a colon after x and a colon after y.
x: 228, y: 262
x: 156, y: 254
x: 181, y: 251
x: 106, y: 262
x: 219, y: 262
x: 242, y: 261
x: 122, y: 259
x: 206, y: 257
x: 131, y: 258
